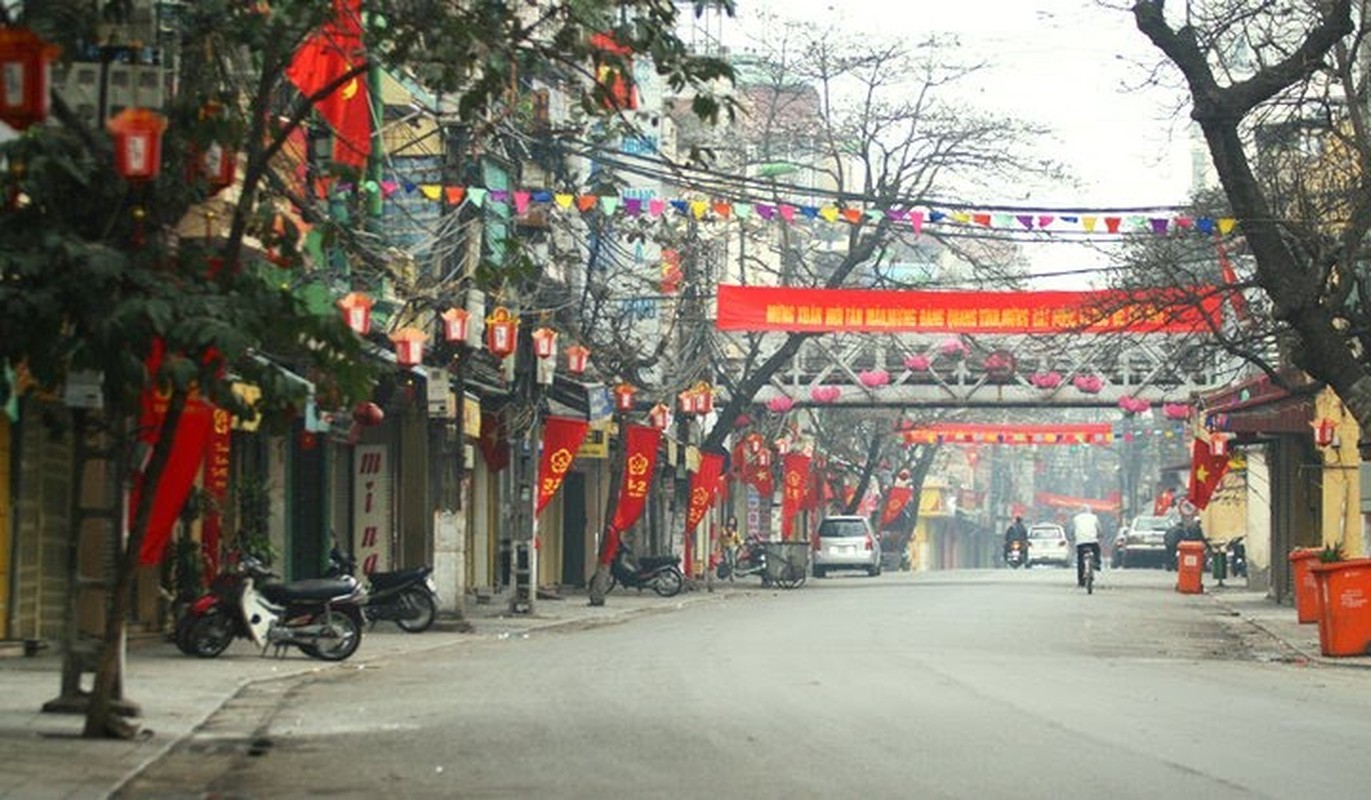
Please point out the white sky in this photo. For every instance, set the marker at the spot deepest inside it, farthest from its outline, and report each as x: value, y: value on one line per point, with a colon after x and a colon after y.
x: 1074, y: 66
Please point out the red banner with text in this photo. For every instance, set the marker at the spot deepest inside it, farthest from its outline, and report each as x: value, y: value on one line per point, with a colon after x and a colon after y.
x: 703, y: 484
x: 216, y: 482
x: 562, y: 437
x: 783, y: 308
x: 640, y: 457
x: 793, y: 489
x: 992, y: 433
x: 896, y: 498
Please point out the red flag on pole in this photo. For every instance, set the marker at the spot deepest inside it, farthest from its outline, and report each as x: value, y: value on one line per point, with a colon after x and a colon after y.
x: 896, y: 498
x: 330, y: 53
x: 1206, y: 470
x: 640, y: 457
x: 703, y: 484
x: 562, y: 437
x: 796, y: 478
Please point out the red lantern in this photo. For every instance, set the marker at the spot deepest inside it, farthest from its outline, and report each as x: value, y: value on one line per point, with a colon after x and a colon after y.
x: 356, y: 308
x: 138, y: 143
x: 1218, y: 444
x: 1324, y: 431
x: 576, y: 357
x: 545, y: 343
x: 687, y: 400
x: 25, y: 74
x: 456, y: 322
x: 623, y: 397
x: 409, y: 346
x: 704, y: 398
x: 659, y: 416
x: 502, y: 332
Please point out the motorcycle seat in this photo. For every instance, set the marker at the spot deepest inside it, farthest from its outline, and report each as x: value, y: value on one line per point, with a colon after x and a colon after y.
x: 400, y: 577
x: 646, y: 563
x: 314, y: 589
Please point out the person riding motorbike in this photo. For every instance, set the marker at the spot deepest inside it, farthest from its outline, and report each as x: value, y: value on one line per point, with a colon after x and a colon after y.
x: 1016, y: 532
x: 1086, y: 528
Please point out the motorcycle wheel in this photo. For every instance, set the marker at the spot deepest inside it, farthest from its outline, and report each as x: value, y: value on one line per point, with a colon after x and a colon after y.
x: 723, y: 571
x: 668, y: 582
x: 181, y: 633
x: 209, y: 634
x: 347, y: 629
x: 419, y: 611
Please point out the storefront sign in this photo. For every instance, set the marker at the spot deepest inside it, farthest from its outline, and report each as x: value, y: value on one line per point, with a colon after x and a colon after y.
x: 371, y: 509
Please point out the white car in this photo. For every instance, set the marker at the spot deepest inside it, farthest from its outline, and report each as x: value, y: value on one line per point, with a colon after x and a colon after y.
x: 1047, y: 544
x: 847, y: 542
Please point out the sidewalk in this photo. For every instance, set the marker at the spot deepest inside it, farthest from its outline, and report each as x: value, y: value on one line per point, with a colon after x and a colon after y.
x: 1280, y: 622
x: 43, y: 756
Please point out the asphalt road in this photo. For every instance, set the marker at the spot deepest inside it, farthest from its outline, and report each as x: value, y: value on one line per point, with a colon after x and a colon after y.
x: 954, y: 684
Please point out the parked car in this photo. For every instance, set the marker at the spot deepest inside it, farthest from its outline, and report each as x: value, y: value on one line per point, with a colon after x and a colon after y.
x: 847, y: 542
x: 1047, y: 544
x: 1143, y: 542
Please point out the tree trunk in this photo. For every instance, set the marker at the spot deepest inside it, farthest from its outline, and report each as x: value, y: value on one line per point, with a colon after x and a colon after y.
x: 101, y: 721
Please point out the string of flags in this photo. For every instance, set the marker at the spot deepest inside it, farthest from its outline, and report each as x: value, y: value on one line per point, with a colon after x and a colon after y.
x: 614, y: 204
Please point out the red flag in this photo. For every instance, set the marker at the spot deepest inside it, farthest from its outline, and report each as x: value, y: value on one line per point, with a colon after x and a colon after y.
x: 188, y: 446
x: 896, y: 498
x: 703, y: 484
x: 1206, y: 470
x: 328, y: 54
x: 562, y: 437
x: 640, y: 457
x: 796, y: 478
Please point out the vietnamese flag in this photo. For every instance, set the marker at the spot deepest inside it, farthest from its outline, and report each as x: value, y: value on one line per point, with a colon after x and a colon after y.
x: 1206, y: 470
x: 640, y: 458
x: 896, y: 498
x: 793, y: 489
x: 328, y: 54
x: 562, y: 437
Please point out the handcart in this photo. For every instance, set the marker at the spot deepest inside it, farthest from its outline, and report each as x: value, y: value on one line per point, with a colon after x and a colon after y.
x: 787, y: 563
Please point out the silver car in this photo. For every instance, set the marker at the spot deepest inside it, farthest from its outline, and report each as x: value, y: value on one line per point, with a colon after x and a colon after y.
x: 847, y: 543
x: 1047, y: 544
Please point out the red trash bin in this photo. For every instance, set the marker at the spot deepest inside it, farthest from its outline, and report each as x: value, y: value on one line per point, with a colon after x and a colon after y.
x: 1305, y: 587
x: 1344, y: 607
x: 1190, y: 567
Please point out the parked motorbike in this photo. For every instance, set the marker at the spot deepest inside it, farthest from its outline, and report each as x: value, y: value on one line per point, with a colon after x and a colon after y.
x: 658, y: 573
x: 739, y: 562
x: 322, y: 616
x: 1236, y: 553
x: 407, y: 597
x: 1017, y: 554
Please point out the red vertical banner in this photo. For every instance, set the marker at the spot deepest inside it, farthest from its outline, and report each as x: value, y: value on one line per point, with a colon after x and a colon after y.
x: 793, y: 489
x: 189, y: 443
x: 562, y: 437
x: 896, y: 498
x: 704, y: 483
x: 216, y: 481
x: 640, y: 458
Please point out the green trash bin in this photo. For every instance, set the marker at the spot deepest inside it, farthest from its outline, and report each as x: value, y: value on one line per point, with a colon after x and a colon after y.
x: 1218, y: 563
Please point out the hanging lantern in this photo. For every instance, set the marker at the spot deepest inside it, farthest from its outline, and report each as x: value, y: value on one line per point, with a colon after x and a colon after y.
x: 216, y: 163
x: 356, y: 308
x: 576, y: 358
x: 25, y: 75
x: 623, y: 397
x: 704, y: 398
x: 409, y: 346
x: 502, y: 331
x: 687, y: 401
x: 137, y: 143
x: 456, y: 322
x: 1324, y: 431
x: 1218, y: 444
x: 545, y: 343
x: 660, y: 416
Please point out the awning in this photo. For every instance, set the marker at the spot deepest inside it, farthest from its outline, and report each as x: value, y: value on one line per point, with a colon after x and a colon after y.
x: 1260, y: 406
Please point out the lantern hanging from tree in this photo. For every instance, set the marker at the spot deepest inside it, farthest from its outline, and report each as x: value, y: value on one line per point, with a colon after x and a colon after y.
x: 545, y: 343
x: 138, y: 143
x: 1218, y: 444
x: 502, y: 331
x: 25, y: 74
x: 356, y: 308
x: 687, y: 401
x: 704, y: 398
x: 659, y: 416
x: 409, y: 346
x: 456, y: 322
x: 576, y: 358
x: 623, y: 397
x: 1324, y: 431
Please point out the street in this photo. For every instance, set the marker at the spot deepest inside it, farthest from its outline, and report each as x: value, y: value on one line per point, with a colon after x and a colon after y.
x: 951, y: 684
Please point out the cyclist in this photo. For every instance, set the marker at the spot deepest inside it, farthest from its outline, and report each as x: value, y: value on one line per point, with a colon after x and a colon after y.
x: 1086, y: 528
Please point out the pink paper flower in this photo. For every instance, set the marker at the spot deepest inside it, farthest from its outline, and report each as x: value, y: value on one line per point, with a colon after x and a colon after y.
x: 953, y: 347
x: 1046, y: 380
x: 824, y: 394
x: 1133, y: 405
x: 780, y: 404
x: 1090, y: 384
x: 871, y: 378
x: 918, y: 363
x: 1176, y: 410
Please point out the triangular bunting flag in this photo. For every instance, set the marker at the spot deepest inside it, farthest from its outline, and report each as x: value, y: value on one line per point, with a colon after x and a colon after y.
x: 521, y: 200
x: 563, y: 200
x: 1025, y: 220
x: 1226, y: 225
x: 1088, y: 223
x: 916, y: 218
x: 788, y: 213
x: 585, y: 202
x: 656, y: 207
x: 609, y: 204
x: 723, y: 210
x: 698, y: 208
x: 431, y: 190
x: 852, y: 215
x: 455, y: 195
x: 829, y: 213
x: 477, y: 196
